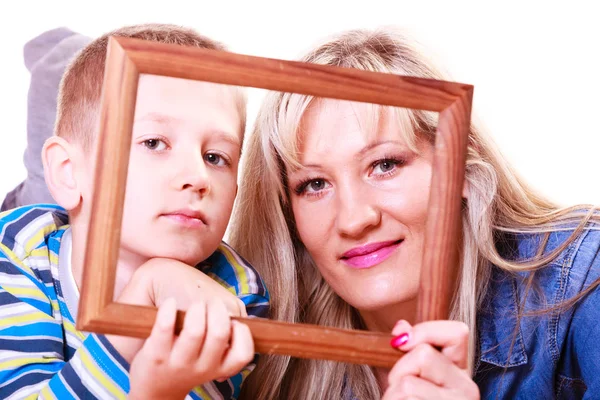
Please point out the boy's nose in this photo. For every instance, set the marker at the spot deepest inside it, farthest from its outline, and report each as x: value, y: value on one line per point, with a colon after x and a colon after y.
x: 200, y: 186
x: 193, y: 175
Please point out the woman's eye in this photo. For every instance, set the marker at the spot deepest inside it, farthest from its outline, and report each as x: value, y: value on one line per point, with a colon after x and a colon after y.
x: 313, y: 186
x: 155, y: 144
x: 383, y: 166
x: 215, y: 159
x: 316, y: 185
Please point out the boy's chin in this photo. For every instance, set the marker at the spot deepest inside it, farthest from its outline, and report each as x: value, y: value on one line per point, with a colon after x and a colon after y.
x: 184, y: 254
x: 189, y: 259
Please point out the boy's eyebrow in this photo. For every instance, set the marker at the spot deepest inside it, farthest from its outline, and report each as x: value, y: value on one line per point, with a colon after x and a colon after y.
x: 155, y: 117
x: 166, y: 119
x: 228, y: 137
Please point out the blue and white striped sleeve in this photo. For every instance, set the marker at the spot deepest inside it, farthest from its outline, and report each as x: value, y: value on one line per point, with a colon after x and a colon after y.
x: 35, y: 360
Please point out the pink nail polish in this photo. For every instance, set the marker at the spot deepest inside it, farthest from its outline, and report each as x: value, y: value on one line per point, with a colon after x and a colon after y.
x: 399, y: 340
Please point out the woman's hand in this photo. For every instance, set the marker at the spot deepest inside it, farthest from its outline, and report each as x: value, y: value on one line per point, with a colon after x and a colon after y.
x: 435, y: 363
x: 209, y: 347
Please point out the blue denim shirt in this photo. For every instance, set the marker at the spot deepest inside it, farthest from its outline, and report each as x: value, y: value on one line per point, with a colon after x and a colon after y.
x: 555, y: 355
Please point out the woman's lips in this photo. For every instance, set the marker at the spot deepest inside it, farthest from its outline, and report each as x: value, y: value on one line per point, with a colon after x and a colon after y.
x: 370, y: 255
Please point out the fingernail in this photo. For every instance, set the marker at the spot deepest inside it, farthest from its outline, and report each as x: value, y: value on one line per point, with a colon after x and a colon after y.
x: 399, y: 340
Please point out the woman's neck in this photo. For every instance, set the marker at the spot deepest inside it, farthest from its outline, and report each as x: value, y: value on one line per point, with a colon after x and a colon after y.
x: 384, y: 319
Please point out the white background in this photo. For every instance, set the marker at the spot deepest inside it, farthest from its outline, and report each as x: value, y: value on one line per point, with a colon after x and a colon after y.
x: 535, y: 65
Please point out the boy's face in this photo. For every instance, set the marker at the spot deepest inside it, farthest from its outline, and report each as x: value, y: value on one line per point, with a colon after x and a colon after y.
x: 182, y: 177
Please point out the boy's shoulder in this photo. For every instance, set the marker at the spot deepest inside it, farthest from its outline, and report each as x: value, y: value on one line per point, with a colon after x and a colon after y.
x: 24, y: 229
x: 234, y: 272
x: 30, y: 238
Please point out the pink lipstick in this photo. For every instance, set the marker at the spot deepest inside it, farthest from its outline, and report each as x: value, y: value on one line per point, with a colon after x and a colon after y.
x: 370, y: 254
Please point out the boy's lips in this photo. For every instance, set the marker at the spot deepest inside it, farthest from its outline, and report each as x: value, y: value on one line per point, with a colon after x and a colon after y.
x: 187, y: 217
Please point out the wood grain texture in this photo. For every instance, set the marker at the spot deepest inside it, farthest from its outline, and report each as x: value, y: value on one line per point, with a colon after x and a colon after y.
x: 128, y: 58
x: 119, y: 92
x: 443, y: 230
x: 291, y: 76
x: 270, y: 337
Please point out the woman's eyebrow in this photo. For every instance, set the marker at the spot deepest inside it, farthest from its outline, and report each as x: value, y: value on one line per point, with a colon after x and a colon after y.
x: 310, y: 165
x: 363, y: 152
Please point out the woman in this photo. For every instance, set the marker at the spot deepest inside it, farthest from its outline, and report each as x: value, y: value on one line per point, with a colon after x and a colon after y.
x: 332, y: 213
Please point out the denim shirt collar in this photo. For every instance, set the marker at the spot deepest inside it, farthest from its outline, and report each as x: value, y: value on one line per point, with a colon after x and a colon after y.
x: 500, y: 339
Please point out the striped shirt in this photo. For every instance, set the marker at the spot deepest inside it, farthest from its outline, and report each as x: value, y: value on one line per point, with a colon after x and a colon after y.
x: 42, y: 354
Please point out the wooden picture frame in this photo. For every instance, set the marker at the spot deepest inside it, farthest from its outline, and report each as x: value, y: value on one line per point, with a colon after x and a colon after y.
x: 128, y: 58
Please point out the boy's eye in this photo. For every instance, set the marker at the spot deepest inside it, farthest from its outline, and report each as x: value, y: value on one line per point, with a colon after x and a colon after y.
x: 155, y: 144
x: 215, y: 159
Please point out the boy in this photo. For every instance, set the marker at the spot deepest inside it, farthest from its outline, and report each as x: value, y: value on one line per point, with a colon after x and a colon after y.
x: 181, y: 185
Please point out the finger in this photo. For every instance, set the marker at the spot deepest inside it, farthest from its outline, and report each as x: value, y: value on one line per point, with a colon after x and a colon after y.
x: 428, y: 363
x: 401, y: 332
x: 401, y: 327
x: 411, y: 387
x: 241, y: 351
x: 159, y: 343
x: 452, y: 337
x: 218, y: 333
x: 191, y: 339
x: 242, y: 308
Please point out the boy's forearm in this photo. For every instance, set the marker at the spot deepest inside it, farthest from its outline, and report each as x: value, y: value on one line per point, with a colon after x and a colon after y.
x: 137, y: 293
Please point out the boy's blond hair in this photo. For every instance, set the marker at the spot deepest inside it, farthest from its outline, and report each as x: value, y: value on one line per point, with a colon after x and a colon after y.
x: 81, y: 85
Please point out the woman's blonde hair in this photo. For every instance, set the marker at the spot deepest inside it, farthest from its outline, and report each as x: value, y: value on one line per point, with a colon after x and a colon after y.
x: 263, y: 228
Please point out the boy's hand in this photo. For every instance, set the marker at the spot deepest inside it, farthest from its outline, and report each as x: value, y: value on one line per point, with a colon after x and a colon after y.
x: 210, y: 347
x: 168, y: 278
x: 159, y: 279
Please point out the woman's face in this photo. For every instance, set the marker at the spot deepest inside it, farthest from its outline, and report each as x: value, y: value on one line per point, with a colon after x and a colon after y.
x: 360, y: 203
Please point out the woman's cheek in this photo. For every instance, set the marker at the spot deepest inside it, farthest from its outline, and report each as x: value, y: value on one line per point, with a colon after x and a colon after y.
x: 314, y: 220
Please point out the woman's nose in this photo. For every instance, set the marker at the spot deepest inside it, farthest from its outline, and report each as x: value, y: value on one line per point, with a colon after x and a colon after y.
x: 356, y: 213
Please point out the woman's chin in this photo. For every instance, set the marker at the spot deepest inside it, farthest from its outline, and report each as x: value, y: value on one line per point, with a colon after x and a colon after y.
x: 381, y: 300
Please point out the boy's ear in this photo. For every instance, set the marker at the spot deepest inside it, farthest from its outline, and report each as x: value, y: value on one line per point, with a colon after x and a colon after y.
x: 59, y: 158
